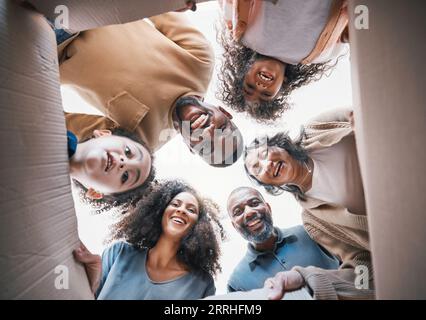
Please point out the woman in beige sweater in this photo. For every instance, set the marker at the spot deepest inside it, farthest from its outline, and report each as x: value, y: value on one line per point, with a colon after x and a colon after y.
x: 321, y: 169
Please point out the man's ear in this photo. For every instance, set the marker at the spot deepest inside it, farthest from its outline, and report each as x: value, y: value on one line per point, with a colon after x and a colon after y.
x: 269, y: 207
x: 176, y: 125
x: 226, y: 113
x: 93, y: 194
x: 101, y: 133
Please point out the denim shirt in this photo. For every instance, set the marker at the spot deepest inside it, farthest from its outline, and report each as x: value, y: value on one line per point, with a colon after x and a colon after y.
x: 293, y: 248
x: 72, y: 144
x: 124, y: 277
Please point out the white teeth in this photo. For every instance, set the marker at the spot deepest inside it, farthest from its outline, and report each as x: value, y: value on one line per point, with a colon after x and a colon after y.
x: 199, y: 121
x: 277, y: 171
x: 178, y: 220
x: 253, y: 222
x: 263, y: 77
x: 109, y: 163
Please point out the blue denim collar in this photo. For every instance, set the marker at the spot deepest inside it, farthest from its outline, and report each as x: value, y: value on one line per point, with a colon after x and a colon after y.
x: 72, y: 143
x: 282, y: 235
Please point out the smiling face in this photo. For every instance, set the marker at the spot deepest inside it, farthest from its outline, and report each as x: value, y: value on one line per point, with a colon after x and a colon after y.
x: 208, y: 130
x: 272, y: 165
x: 180, y: 215
x: 263, y: 80
x: 250, y: 215
x: 111, y: 164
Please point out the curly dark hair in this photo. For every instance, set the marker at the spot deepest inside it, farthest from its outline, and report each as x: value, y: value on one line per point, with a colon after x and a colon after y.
x: 199, y: 250
x: 237, y: 60
x: 295, y: 149
x: 123, y: 201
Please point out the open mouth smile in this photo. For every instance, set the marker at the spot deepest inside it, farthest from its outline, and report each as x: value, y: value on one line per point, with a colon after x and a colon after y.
x: 265, y: 76
x: 109, y: 162
x: 278, y: 168
x: 178, y: 220
x: 254, y: 224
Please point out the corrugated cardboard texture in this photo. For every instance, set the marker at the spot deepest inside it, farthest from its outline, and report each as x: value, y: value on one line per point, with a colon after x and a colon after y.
x: 38, y: 227
x: 389, y: 71
x: 90, y: 14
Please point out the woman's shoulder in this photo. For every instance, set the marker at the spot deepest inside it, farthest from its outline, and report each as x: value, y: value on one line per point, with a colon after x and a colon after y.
x: 203, y: 277
x: 122, y: 247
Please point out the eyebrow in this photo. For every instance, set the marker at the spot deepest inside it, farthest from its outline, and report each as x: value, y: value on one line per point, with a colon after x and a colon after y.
x: 138, y: 175
x: 138, y: 171
x: 140, y: 153
x: 192, y: 206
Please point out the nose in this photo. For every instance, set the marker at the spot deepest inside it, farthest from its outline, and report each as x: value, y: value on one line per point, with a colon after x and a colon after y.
x: 248, y: 213
x: 261, y: 85
x: 126, y: 163
x: 269, y: 165
x: 265, y: 165
x: 122, y: 162
x: 181, y: 209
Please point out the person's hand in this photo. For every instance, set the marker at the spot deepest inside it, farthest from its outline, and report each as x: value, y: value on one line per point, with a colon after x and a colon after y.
x: 92, y: 263
x: 283, y: 282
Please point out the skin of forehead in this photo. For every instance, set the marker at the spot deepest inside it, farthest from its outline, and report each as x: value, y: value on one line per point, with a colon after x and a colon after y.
x: 247, y: 192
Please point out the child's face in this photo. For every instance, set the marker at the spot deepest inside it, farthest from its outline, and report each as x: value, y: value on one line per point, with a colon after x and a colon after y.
x: 263, y: 80
x: 113, y: 164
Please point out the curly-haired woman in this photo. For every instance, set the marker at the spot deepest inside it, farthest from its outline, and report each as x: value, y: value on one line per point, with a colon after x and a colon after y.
x: 168, y: 249
x: 276, y: 47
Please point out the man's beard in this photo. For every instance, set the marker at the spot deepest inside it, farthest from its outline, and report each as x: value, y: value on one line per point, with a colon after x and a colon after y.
x: 262, y: 235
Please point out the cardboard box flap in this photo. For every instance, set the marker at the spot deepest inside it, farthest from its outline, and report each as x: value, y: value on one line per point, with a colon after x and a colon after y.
x: 83, y: 15
x: 38, y: 225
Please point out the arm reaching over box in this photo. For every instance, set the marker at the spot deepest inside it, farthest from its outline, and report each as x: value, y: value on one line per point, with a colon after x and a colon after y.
x: 83, y: 125
x: 176, y: 27
x: 324, y: 284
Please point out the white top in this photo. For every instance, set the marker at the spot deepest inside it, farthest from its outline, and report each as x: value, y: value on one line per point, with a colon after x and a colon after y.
x: 336, y: 176
x: 289, y: 30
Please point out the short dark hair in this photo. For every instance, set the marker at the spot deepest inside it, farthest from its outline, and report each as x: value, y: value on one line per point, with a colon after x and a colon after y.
x: 294, y: 148
x: 122, y: 201
x: 199, y: 250
x: 237, y: 60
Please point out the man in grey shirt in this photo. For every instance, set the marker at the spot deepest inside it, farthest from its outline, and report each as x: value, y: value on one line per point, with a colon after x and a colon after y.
x: 270, y: 249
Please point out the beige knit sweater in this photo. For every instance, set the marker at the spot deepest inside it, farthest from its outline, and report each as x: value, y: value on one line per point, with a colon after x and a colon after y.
x: 343, y: 233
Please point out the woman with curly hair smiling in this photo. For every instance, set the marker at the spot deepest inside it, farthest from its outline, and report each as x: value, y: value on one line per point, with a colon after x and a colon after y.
x: 275, y: 47
x: 167, y: 249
